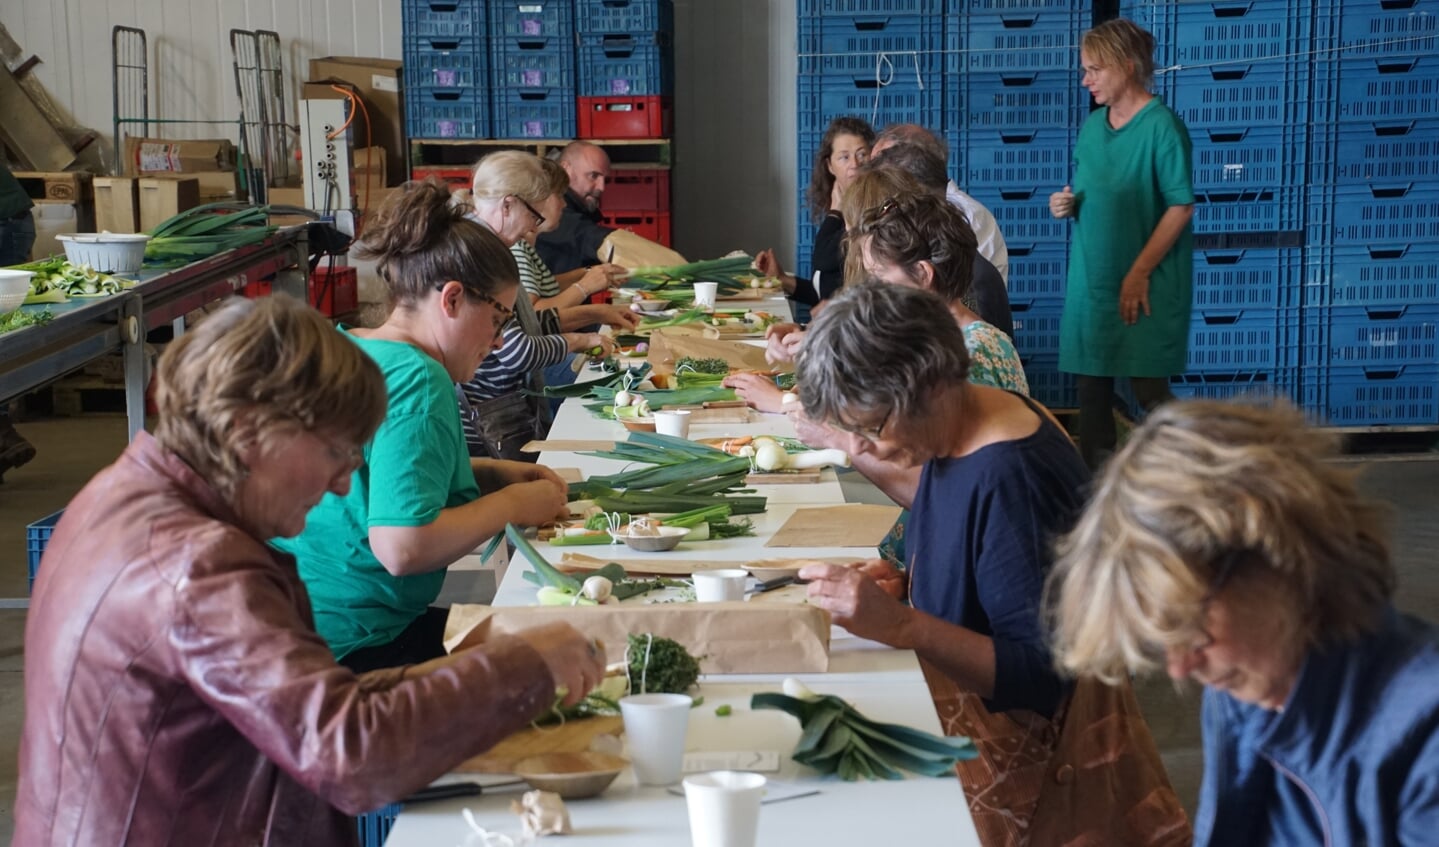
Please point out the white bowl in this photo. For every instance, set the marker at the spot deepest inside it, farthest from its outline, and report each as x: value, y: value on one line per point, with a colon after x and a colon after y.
x: 14, y: 288
x: 668, y: 539
x: 106, y: 252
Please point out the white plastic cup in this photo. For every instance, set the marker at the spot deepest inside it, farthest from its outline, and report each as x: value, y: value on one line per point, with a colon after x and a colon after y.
x: 724, y: 808
x: 719, y: 586
x: 674, y: 422
x: 705, y: 293
x: 655, y: 727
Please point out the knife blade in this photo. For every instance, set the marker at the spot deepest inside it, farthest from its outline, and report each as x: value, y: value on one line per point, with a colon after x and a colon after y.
x: 457, y: 789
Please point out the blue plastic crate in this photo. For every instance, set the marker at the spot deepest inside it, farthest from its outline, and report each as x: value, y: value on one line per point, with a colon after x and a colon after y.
x: 1016, y: 99
x: 375, y: 826
x: 539, y: 113
x: 877, y: 60
x: 1048, y: 384
x: 863, y: 8
x: 516, y: 66
x: 1397, y: 334
x: 872, y: 33
x: 441, y: 62
x: 1369, y: 151
x: 1249, y: 210
x: 1362, y: 275
x: 37, y: 535
x: 1027, y: 40
x: 1241, y: 94
x: 444, y: 18
x: 1036, y: 325
x: 1037, y: 270
x: 1248, y: 279
x: 610, y: 16
x: 446, y: 113
x: 1194, y: 33
x: 1019, y: 156
x: 1023, y: 212
x: 1374, y: 396
x: 1377, y: 27
x: 1240, y: 339
x: 619, y: 64
x: 1376, y: 88
x: 1377, y: 213
x: 532, y: 19
x: 820, y: 101
x: 1248, y: 156
x: 1235, y: 385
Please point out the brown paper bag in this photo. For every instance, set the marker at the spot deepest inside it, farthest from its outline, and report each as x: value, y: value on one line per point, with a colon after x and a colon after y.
x: 668, y: 347
x: 628, y: 250
x: 726, y: 637
x: 850, y: 525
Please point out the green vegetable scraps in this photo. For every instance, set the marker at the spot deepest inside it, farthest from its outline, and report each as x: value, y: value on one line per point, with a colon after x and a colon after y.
x: 660, y: 665
x: 704, y: 366
x: 723, y: 710
x: 19, y: 319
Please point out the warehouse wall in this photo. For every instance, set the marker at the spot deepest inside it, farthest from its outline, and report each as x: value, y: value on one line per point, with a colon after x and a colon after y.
x: 734, y: 157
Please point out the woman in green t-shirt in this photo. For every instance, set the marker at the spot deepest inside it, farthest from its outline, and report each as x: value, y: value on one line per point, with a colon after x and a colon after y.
x: 374, y: 560
x: 1127, y: 304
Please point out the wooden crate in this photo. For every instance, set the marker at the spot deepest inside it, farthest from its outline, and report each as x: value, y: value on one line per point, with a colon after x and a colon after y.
x: 72, y: 187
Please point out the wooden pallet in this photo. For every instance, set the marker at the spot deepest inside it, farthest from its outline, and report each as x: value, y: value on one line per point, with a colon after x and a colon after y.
x: 72, y: 187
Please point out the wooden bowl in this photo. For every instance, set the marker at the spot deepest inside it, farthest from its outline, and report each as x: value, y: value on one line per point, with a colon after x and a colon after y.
x: 638, y: 424
x: 769, y: 573
x: 573, y: 776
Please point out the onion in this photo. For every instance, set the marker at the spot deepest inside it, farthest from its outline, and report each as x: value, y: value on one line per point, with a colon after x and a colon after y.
x: 770, y: 456
x: 623, y: 398
x: 597, y: 588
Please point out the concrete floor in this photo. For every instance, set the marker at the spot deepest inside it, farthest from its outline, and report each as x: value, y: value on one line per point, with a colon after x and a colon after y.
x: 73, y: 449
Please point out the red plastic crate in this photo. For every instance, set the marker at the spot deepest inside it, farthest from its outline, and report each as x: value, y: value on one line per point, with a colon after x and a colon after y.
x: 335, y: 292
x: 456, y: 177
x: 630, y: 189
x: 252, y: 290
x: 647, y: 224
x: 626, y: 117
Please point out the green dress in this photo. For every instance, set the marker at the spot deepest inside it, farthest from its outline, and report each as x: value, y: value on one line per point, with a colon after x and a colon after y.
x: 416, y: 465
x: 1124, y: 181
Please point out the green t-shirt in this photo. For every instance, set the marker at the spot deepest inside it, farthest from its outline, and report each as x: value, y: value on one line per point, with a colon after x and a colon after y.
x: 416, y: 465
x: 1124, y: 181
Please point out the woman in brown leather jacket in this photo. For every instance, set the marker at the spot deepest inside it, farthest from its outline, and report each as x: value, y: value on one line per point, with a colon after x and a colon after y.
x: 175, y: 689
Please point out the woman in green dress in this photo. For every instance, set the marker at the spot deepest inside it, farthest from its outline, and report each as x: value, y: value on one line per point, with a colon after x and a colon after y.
x: 1127, y: 304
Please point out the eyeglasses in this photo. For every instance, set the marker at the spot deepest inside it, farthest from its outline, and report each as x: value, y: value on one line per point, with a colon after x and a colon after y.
x: 503, y: 313
x: 871, y: 434
x: 539, y: 218
x: 1223, y: 570
x: 350, y: 458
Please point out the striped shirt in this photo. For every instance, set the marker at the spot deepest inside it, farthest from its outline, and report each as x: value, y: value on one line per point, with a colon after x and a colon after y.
x: 509, y: 369
x: 535, y: 275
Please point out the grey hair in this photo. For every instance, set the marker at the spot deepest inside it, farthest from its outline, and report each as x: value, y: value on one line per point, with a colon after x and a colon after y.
x: 919, y: 136
x: 1199, y: 484
x: 879, y: 349
x: 926, y: 168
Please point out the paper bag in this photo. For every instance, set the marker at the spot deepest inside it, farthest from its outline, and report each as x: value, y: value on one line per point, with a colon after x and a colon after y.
x: 628, y: 250
x: 666, y: 348
x: 726, y: 637
x: 850, y: 525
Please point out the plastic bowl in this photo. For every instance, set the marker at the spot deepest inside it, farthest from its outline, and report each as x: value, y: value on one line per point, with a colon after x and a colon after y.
x: 668, y: 539
x: 14, y: 288
x: 573, y: 776
x: 638, y: 424
x: 107, y: 252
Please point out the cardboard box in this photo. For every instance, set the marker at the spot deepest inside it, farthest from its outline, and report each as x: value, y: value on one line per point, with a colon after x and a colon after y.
x: 368, y: 164
x: 159, y: 155
x: 163, y: 197
x: 117, y: 204
x: 378, y: 83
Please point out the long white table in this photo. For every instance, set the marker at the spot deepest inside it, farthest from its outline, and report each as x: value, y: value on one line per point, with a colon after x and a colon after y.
x: 884, y: 683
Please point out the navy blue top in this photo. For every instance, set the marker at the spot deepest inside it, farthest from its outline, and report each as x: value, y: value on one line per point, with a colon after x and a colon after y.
x: 979, y: 541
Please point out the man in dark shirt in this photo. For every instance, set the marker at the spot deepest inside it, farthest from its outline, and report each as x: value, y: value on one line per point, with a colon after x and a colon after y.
x: 575, y: 243
x: 17, y: 236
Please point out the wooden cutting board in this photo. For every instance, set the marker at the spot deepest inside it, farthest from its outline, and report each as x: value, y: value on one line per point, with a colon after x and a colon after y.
x: 569, y: 737
x: 783, y: 477
x: 579, y: 562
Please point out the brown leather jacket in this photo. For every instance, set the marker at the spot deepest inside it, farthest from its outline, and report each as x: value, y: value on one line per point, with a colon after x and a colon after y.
x: 176, y: 692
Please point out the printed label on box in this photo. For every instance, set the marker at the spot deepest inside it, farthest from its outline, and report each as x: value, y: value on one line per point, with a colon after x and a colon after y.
x: 384, y: 82
x: 159, y: 157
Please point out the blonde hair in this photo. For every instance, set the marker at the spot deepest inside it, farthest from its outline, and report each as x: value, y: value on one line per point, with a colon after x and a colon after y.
x: 559, y: 178
x: 1199, y: 485
x: 1121, y: 43
x: 514, y: 172
x: 869, y: 190
x: 255, y: 369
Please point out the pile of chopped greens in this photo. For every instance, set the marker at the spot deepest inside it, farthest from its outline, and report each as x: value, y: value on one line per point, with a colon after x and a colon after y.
x: 660, y: 665
x: 19, y: 319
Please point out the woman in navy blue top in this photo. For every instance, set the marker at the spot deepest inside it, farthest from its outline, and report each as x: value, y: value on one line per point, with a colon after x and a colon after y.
x: 883, y: 373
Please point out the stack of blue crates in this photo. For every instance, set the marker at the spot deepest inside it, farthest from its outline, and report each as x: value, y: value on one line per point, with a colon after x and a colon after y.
x: 1371, y: 283
x: 1238, y: 73
x: 872, y: 59
x: 1014, y: 106
x: 447, y: 71
x: 532, y: 60
x: 626, y: 48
